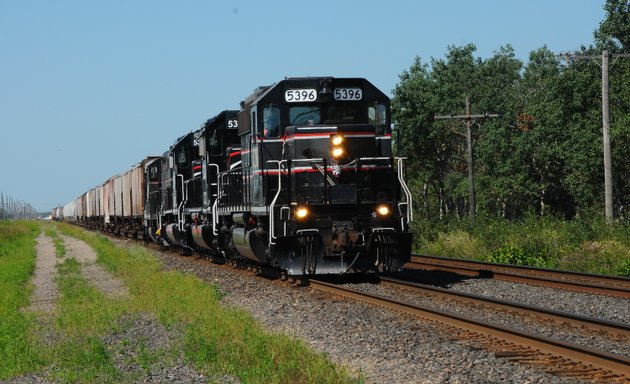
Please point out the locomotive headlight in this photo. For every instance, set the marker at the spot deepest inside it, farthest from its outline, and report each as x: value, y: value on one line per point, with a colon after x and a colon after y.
x: 301, y: 213
x: 337, y: 152
x: 336, y: 140
x: 383, y: 210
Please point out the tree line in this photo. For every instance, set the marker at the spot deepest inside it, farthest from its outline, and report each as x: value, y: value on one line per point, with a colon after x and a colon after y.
x: 12, y: 209
x: 543, y: 154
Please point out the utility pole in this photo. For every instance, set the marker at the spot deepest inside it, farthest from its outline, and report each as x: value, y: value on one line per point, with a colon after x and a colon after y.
x: 469, y: 120
x: 608, y: 190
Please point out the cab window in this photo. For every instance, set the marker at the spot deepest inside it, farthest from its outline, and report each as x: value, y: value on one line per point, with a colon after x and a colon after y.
x: 304, y: 115
x: 377, y: 115
x: 153, y: 173
x: 271, y: 122
x: 216, y: 144
x: 181, y: 157
x: 341, y: 114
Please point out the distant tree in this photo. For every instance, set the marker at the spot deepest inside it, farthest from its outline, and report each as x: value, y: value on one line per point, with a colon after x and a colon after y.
x: 614, y: 30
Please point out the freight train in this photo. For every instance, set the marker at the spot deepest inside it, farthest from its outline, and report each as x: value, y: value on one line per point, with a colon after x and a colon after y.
x: 301, y: 178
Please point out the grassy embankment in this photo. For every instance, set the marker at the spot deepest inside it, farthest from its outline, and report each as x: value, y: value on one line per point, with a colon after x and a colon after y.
x: 215, y: 340
x: 18, y: 348
x: 580, y: 245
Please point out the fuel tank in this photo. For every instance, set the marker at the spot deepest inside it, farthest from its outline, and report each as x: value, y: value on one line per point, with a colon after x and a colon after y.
x: 202, y: 236
x: 249, y: 245
x: 175, y: 236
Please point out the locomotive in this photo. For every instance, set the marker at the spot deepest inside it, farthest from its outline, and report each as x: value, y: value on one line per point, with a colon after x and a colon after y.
x: 301, y: 178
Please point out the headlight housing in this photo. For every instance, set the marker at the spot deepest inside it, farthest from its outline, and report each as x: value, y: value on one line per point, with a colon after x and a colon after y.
x: 337, y: 150
x: 383, y: 211
x: 336, y: 140
x: 302, y: 212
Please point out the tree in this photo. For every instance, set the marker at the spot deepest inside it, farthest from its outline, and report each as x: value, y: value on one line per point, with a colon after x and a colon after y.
x: 614, y: 31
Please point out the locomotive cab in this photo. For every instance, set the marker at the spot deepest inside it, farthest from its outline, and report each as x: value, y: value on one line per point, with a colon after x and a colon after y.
x: 176, y: 171
x: 219, y: 146
x: 321, y: 192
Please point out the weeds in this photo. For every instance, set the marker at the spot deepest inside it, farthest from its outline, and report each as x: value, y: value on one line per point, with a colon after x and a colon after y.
x: 60, y: 246
x: 584, y: 244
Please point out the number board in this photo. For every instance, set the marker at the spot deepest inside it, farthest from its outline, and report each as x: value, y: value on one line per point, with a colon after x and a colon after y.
x: 232, y: 123
x: 196, y: 137
x: 300, y: 95
x: 353, y: 94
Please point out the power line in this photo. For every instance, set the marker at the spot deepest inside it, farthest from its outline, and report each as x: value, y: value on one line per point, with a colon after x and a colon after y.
x: 469, y: 120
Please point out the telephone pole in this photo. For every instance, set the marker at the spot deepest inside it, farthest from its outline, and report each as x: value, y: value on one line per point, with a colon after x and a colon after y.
x: 469, y: 120
x: 608, y: 190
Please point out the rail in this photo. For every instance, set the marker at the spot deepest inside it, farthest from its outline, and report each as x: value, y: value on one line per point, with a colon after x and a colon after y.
x: 575, y: 281
x: 557, y: 356
x: 580, y: 321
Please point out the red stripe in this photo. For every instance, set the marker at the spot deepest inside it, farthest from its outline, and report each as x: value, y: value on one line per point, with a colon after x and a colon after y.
x: 234, y: 154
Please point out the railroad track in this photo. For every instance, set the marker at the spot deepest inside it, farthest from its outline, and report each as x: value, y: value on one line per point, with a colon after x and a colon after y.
x: 588, y: 323
x: 552, y: 356
x: 574, y: 281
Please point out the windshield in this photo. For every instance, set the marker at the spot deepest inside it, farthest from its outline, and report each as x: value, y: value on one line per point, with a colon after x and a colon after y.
x: 304, y: 115
x: 342, y: 113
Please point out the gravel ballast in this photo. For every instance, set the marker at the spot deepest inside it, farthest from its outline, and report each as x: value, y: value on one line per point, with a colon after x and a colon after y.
x: 385, y: 346
x: 548, y: 328
x: 584, y: 304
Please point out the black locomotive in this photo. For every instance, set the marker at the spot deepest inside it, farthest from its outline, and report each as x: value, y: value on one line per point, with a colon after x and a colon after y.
x: 301, y: 178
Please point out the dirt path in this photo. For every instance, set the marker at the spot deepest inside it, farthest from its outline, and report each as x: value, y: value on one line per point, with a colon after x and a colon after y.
x: 100, y: 278
x: 46, y: 293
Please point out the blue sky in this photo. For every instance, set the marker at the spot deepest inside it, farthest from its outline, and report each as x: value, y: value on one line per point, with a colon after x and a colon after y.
x: 88, y: 88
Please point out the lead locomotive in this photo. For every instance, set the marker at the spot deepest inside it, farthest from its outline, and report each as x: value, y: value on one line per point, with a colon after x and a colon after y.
x: 301, y: 178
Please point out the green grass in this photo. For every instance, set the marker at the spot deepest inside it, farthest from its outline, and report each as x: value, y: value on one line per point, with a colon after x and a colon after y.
x: 586, y: 244
x: 60, y: 246
x: 18, y: 349
x: 84, y: 314
x: 215, y: 340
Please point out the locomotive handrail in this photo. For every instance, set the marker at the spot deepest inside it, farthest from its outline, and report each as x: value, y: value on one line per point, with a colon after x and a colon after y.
x: 408, y: 197
x: 272, y: 236
x: 215, y: 218
x: 214, y: 165
x: 215, y: 232
x: 180, y: 221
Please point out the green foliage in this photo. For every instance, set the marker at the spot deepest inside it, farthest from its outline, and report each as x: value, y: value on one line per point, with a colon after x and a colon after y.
x: 457, y: 244
x: 615, y: 29
x: 587, y: 244
x: 607, y: 257
x: 510, y: 254
x: 543, y: 155
x: 623, y: 269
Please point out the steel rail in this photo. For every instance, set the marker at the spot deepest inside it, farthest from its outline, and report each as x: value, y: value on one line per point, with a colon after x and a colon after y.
x: 581, y: 321
x: 618, y: 366
x: 575, y: 281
